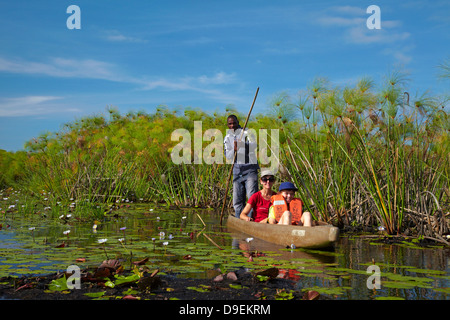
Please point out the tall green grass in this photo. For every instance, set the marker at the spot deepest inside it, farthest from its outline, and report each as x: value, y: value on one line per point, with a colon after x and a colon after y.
x: 363, y: 155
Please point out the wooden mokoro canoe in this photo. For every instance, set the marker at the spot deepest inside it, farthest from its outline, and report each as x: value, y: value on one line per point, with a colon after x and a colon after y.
x: 321, y: 236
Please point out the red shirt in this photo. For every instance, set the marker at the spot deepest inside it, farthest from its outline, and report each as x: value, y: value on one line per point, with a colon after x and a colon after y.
x: 260, y: 206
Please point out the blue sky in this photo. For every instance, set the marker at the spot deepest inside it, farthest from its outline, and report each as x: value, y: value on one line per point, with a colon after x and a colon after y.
x: 136, y: 55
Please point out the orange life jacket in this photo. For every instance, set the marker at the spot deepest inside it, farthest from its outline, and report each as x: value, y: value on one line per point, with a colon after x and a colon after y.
x: 280, y: 206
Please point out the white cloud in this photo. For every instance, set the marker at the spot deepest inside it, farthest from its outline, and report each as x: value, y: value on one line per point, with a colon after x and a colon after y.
x: 162, y: 83
x: 94, y: 69
x: 218, y: 78
x: 341, y: 21
x: 32, y: 105
x: 62, y: 67
x: 208, y: 85
x: 353, y: 21
x: 117, y: 36
x: 362, y: 35
x: 400, y: 55
x: 357, y: 11
x: 201, y: 83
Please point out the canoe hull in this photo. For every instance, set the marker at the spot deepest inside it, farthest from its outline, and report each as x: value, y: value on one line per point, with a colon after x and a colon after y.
x: 321, y: 236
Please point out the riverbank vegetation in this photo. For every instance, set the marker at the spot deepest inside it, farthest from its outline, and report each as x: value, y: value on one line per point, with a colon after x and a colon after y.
x: 366, y: 155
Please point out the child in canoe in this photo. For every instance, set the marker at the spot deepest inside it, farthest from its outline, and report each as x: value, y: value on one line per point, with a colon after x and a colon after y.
x: 286, y: 209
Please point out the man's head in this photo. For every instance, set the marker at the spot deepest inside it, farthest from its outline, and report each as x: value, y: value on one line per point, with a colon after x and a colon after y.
x: 232, y: 122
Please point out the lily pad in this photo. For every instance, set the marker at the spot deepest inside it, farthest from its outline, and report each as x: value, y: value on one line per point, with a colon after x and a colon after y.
x: 58, y: 284
x: 201, y: 288
x: 389, y: 298
x: 95, y: 294
x: 444, y: 290
x: 427, y: 271
x: 329, y: 291
x: 398, y: 284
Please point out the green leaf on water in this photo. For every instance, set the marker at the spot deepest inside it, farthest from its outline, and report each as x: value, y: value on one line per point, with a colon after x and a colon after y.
x: 236, y: 286
x: 201, y: 288
x: 95, y: 294
x: 389, y: 298
x: 125, y: 279
x: 309, y: 271
x: 283, y: 295
x: 444, y: 290
x: 130, y: 291
x: 330, y: 291
x: 58, y: 284
x: 262, y: 278
x: 427, y: 271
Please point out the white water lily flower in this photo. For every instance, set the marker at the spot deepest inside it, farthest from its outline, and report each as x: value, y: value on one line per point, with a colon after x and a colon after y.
x: 121, y: 239
x: 102, y: 240
x: 32, y: 228
x: 66, y: 232
x: 249, y: 239
x: 165, y: 243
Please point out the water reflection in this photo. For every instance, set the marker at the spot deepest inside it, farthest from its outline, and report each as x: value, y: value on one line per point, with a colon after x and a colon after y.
x: 342, y: 273
x: 406, y: 272
x: 239, y: 241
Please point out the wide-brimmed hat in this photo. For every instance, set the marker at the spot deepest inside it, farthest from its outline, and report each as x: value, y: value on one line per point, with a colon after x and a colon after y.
x: 287, y: 186
x: 266, y: 172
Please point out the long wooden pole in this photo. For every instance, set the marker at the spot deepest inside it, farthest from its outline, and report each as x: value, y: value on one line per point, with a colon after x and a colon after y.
x: 234, y: 158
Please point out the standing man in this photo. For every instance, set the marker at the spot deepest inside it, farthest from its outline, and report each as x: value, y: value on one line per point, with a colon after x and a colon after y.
x: 245, y: 170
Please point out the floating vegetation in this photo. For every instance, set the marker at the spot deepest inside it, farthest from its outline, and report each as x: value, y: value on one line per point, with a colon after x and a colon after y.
x: 201, y: 288
x: 332, y: 291
x: 98, y: 294
x: 161, y: 239
x: 389, y: 298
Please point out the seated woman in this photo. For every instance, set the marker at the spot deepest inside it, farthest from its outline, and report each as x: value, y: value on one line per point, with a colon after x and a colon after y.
x: 260, y: 201
x: 286, y: 209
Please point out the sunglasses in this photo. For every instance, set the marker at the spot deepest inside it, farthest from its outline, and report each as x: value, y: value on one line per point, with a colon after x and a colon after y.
x: 265, y: 179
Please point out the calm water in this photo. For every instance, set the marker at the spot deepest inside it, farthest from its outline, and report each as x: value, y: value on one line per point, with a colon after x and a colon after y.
x: 176, y: 241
